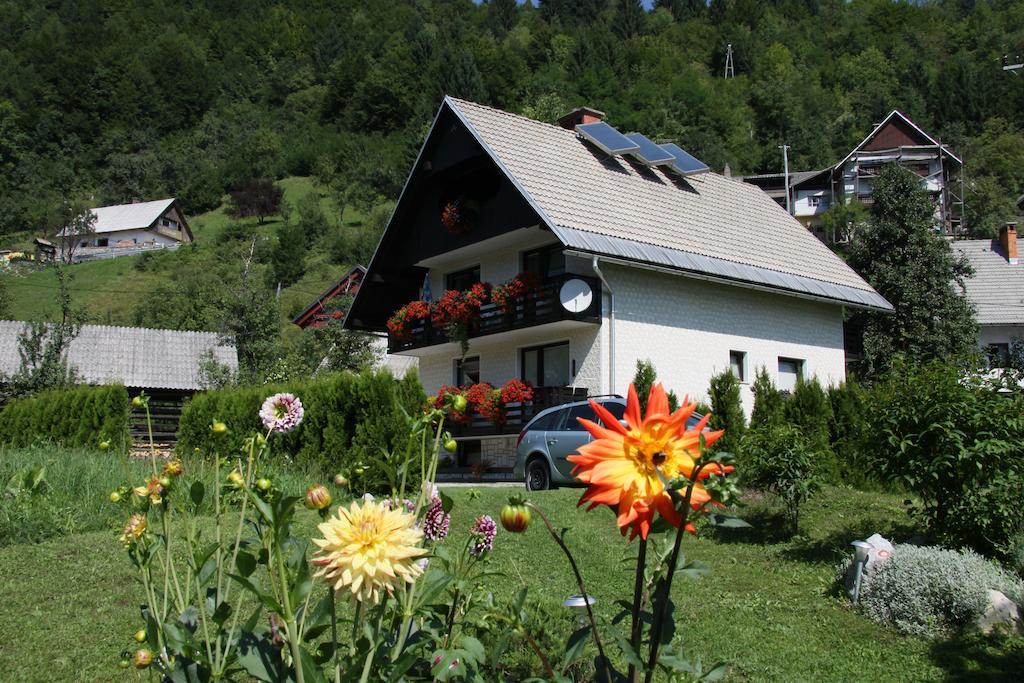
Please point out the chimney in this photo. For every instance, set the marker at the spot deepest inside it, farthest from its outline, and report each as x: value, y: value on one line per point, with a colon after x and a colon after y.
x: 727, y: 171
x: 580, y: 115
x: 1008, y: 238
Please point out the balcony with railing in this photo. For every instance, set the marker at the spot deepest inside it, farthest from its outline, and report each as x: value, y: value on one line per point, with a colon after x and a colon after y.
x: 567, y: 297
x: 515, y: 416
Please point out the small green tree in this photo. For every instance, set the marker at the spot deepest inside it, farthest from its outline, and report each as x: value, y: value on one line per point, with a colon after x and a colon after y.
x: 809, y: 410
x: 727, y: 411
x: 768, y: 402
x: 899, y: 253
x: 288, y: 258
x: 850, y: 430
x: 644, y: 379
x: 777, y: 458
x: 259, y: 197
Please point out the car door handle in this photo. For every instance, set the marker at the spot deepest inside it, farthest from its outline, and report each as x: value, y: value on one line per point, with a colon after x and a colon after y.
x: 552, y: 442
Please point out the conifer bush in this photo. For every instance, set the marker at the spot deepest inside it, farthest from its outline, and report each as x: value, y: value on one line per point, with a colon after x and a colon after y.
x: 351, y: 419
x: 727, y: 410
x: 768, y: 402
x: 76, y: 416
x: 808, y: 409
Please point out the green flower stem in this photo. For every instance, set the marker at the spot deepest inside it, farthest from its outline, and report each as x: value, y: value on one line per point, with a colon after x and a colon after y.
x: 294, y: 637
x: 368, y: 663
x: 582, y: 587
x: 334, y: 637
x: 666, y: 589
x: 638, y: 595
x: 536, y: 649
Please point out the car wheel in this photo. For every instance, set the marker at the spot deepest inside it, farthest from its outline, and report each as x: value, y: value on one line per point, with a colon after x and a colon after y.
x: 538, y: 478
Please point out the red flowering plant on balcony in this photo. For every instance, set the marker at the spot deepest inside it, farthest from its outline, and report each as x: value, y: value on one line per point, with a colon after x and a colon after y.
x: 506, y: 296
x: 486, y: 400
x: 456, y: 311
x: 400, y: 324
x: 452, y: 415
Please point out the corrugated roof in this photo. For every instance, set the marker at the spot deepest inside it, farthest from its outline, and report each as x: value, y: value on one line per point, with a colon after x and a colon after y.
x: 133, y: 356
x: 129, y: 216
x: 997, y: 288
x: 578, y: 190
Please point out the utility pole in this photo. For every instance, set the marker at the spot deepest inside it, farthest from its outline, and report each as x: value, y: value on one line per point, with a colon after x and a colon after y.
x: 730, y: 70
x: 785, y: 171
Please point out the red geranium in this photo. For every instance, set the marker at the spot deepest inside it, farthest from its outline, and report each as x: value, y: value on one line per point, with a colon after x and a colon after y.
x: 507, y: 295
x: 516, y: 391
x: 454, y: 416
x: 401, y: 322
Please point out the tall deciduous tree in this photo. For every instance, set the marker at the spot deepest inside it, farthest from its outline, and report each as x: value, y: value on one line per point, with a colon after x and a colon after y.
x: 915, y: 269
x: 259, y: 197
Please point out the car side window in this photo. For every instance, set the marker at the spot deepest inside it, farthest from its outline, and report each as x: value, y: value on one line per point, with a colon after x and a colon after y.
x: 616, y: 409
x: 572, y: 424
x: 692, y: 421
x: 548, y: 422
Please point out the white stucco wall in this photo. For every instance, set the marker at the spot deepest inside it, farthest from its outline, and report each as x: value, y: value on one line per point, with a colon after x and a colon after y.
x: 139, y: 235
x: 499, y: 356
x: 687, y: 328
x: 999, y: 334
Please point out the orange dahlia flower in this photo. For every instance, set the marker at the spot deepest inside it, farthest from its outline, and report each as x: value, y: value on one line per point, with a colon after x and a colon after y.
x: 620, y: 465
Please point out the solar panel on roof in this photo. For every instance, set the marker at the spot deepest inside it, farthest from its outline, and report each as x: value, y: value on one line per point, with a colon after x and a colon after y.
x: 684, y: 163
x: 606, y: 138
x: 648, y: 152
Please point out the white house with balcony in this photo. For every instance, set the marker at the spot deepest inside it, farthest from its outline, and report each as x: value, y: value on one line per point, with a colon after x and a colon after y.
x: 635, y: 254
x: 896, y: 140
x: 124, y: 229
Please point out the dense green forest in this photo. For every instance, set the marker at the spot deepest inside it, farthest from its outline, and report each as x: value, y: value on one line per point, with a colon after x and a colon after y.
x: 110, y: 100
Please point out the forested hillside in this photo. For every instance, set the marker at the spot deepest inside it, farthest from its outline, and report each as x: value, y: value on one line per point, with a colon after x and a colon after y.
x: 112, y: 100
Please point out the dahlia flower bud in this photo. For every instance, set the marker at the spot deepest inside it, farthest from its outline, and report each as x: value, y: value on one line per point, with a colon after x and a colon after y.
x: 142, y: 658
x: 340, y: 480
x: 459, y: 403
x: 105, y: 445
x: 140, y: 636
x: 219, y: 428
x: 114, y: 496
x: 516, y: 516
x: 138, y: 402
x: 451, y: 445
x: 236, y: 479
x: 318, y: 497
x: 263, y: 484
x: 173, y: 468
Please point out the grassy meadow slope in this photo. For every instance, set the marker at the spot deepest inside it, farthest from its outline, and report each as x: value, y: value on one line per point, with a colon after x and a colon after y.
x: 110, y: 290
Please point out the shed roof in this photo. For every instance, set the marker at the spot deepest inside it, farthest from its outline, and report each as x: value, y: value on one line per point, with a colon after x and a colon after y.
x: 997, y: 288
x: 706, y: 224
x: 136, y: 357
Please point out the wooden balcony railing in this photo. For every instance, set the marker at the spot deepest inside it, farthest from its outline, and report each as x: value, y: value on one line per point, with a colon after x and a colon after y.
x: 519, y: 414
x: 537, y: 308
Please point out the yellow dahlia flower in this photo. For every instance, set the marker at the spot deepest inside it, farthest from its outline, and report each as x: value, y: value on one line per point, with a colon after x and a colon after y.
x: 134, y: 528
x: 369, y: 548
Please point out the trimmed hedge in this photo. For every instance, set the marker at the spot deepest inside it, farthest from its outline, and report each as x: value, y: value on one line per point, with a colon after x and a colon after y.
x: 77, y: 416
x: 348, y: 417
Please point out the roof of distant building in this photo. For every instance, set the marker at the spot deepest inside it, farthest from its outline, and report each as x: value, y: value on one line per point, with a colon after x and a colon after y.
x: 136, y: 357
x: 997, y: 288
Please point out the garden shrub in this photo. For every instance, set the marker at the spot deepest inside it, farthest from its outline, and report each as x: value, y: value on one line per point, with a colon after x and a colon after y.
x: 809, y: 410
x: 778, y: 458
x: 350, y: 419
x: 727, y: 411
x: 75, y: 416
x: 958, y: 446
x: 932, y: 591
x: 849, y: 430
x: 768, y: 402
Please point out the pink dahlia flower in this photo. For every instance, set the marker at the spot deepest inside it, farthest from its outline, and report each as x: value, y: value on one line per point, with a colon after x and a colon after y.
x: 281, y: 413
x: 483, y: 531
x: 436, y: 521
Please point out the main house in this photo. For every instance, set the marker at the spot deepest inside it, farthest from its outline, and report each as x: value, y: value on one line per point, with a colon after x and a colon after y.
x: 125, y: 228
x: 629, y: 251
x: 897, y: 139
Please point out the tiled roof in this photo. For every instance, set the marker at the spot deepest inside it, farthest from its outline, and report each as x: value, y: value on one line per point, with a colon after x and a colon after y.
x: 128, y: 216
x: 997, y: 288
x: 133, y: 356
x: 722, y: 221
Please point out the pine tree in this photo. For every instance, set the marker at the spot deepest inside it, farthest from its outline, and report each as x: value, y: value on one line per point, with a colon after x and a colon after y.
x: 643, y: 380
x: 727, y: 410
x: 768, y: 403
x: 629, y: 18
x: 915, y: 269
x: 288, y: 259
x: 501, y: 14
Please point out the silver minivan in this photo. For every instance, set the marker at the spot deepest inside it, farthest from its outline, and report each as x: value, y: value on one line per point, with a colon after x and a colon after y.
x: 555, y: 434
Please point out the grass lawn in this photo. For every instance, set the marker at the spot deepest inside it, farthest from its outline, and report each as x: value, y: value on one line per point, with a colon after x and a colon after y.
x: 69, y: 604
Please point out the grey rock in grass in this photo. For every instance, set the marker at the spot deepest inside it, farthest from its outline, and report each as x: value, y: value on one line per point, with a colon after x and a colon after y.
x: 1000, y: 613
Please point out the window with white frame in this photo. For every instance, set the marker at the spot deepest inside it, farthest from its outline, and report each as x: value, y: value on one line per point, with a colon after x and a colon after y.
x: 791, y: 370
x: 738, y: 364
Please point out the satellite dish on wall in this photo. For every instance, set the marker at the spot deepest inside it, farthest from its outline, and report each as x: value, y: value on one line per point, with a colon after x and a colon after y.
x: 575, y: 295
